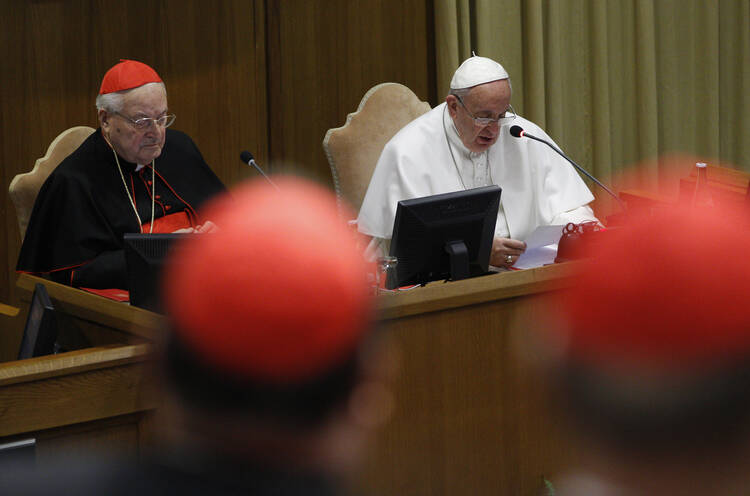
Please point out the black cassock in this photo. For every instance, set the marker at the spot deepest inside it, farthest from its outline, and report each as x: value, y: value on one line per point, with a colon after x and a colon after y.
x: 82, y: 210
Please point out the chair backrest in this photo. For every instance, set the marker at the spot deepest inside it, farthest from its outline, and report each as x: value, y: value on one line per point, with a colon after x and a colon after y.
x: 24, y: 187
x: 353, y: 149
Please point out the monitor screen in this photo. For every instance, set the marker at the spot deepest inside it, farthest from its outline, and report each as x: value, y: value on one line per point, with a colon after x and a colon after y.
x: 446, y: 236
x: 40, y: 333
x: 145, y: 255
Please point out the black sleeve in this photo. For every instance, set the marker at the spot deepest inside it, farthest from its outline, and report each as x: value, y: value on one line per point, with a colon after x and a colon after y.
x: 105, y: 271
x: 75, y: 231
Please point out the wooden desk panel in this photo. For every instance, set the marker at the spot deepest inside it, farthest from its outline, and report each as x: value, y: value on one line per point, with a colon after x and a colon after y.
x: 471, y: 416
x: 104, y: 321
x: 88, y: 399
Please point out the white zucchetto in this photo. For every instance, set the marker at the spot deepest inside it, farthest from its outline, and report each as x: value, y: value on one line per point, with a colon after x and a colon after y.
x: 477, y: 70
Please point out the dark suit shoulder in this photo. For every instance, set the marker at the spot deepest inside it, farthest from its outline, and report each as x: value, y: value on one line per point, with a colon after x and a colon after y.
x: 87, y: 161
x: 178, y: 139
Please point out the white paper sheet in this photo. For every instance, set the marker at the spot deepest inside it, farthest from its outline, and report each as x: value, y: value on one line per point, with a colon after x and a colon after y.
x: 541, y: 248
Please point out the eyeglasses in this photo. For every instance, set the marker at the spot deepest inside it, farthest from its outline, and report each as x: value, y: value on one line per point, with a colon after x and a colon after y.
x: 146, y: 122
x: 504, y: 118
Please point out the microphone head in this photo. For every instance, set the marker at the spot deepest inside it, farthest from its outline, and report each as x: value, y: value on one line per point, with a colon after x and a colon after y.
x: 516, y: 131
x: 246, y: 156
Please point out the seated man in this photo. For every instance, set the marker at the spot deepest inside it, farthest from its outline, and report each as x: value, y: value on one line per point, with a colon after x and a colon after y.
x: 268, y: 383
x: 465, y: 143
x: 111, y: 185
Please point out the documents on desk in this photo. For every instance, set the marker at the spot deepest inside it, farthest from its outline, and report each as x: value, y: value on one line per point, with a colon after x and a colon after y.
x: 541, y: 248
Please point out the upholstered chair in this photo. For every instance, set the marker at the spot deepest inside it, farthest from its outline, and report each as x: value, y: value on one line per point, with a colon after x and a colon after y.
x: 24, y: 187
x: 354, y: 148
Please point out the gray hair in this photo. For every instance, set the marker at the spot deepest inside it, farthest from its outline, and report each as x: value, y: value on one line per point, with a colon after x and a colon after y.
x: 112, y: 102
x: 460, y: 92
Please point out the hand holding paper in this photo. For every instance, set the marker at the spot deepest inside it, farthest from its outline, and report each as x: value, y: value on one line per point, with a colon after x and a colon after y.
x: 541, y: 247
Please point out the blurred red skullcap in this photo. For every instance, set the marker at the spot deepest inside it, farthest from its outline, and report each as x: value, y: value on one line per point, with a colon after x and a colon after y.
x: 668, y: 292
x: 279, y: 293
x: 127, y: 74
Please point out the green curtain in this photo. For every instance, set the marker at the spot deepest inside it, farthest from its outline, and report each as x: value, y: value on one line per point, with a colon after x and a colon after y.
x: 617, y: 83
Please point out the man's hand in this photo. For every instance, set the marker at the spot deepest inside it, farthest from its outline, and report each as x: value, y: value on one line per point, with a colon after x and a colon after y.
x: 505, y: 251
x: 207, y: 227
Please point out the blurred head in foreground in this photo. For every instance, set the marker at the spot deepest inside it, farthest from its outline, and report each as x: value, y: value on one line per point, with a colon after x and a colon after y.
x: 271, y: 351
x: 653, y: 357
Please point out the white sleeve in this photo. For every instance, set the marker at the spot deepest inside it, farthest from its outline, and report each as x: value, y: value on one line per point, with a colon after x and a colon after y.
x: 377, y: 248
x: 577, y: 215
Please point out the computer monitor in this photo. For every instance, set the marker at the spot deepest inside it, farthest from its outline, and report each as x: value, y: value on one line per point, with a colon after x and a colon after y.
x: 145, y: 255
x: 445, y: 236
x: 40, y: 333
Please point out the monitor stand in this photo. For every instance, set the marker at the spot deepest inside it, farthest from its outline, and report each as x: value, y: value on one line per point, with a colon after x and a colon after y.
x: 459, y: 257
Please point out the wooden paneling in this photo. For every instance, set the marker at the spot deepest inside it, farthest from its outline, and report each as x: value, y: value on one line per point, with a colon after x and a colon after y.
x: 211, y: 56
x: 471, y: 413
x: 84, y: 401
x: 78, y: 404
x: 471, y: 416
x: 87, y: 319
x: 126, y: 323
x: 270, y: 76
x: 323, y: 55
x: 11, y: 332
x: 72, y: 388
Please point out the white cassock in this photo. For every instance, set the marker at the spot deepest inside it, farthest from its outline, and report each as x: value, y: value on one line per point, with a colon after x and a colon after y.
x: 538, y: 186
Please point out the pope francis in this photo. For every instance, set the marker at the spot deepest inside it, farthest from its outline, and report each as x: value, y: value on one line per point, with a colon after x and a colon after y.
x: 465, y: 143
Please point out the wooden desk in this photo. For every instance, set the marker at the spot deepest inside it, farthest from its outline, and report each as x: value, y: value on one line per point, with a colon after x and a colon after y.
x: 89, y: 399
x: 99, y: 320
x: 729, y: 188
x: 470, y: 416
x: 77, y: 402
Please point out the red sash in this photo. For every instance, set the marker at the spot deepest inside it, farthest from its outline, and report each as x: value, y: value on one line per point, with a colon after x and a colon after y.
x: 171, y: 223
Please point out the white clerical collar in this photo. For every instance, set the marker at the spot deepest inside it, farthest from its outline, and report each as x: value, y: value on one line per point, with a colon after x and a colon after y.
x: 139, y: 167
x: 455, y: 139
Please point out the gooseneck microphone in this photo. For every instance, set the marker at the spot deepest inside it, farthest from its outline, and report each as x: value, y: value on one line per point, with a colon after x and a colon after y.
x: 247, y: 158
x: 518, y: 132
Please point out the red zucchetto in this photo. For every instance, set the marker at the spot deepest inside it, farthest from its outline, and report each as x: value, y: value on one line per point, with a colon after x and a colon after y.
x: 126, y: 75
x: 278, y: 295
x: 666, y: 293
